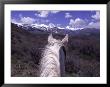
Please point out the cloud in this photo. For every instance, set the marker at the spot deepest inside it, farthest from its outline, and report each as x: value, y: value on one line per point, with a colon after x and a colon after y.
x: 40, y: 21
x: 27, y: 20
x: 77, y: 23
x: 16, y: 22
x: 96, y: 16
x: 44, y: 14
x: 71, y: 23
x: 58, y: 25
x: 44, y: 21
x: 95, y: 21
x: 13, y: 21
x: 94, y: 25
x: 54, y: 12
x: 67, y: 15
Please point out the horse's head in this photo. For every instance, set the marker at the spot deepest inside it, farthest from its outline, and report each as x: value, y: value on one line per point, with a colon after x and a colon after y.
x: 57, y: 43
x: 58, y: 46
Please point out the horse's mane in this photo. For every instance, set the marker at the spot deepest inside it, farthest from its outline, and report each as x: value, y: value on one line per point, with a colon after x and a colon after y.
x: 49, y: 60
x: 53, y: 58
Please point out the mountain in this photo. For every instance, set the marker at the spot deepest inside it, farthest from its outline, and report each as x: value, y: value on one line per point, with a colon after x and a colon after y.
x: 42, y: 29
x: 28, y: 42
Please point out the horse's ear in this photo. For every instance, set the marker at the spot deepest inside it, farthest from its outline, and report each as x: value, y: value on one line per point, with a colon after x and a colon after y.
x: 50, y: 38
x: 65, y: 39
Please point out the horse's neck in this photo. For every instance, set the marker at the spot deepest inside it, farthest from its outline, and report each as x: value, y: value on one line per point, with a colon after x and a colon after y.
x: 52, y: 52
x: 50, y: 65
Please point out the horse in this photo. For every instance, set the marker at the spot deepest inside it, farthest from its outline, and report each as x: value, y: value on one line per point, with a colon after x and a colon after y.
x: 52, y: 63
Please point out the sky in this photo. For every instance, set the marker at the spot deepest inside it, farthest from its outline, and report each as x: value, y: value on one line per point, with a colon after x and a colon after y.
x: 62, y: 19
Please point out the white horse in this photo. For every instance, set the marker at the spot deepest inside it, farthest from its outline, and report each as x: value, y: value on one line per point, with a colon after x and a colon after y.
x: 52, y: 64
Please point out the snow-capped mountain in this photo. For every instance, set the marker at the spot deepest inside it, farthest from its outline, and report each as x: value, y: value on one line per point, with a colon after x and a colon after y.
x: 41, y: 29
x: 44, y: 27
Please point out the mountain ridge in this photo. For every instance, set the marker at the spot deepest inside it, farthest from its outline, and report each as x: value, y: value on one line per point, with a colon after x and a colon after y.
x: 45, y: 29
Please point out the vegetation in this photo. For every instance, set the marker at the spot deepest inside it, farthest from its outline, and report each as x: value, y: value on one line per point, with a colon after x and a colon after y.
x: 82, y: 59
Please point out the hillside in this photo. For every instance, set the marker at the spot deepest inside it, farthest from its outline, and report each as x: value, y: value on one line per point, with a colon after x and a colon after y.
x: 83, y: 51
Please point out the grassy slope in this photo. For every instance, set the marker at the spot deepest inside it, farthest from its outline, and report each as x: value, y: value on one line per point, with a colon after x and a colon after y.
x: 82, y: 54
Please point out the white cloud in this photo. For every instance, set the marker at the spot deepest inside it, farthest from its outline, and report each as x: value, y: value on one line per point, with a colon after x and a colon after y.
x: 13, y: 21
x: 67, y: 15
x: 77, y: 23
x: 44, y: 20
x: 94, y: 25
x: 86, y: 20
x: 54, y: 12
x: 58, y: 25
x: 71, y: 23
x: 16, y: 22
x: 96, y: 16
x: 80, y: 23
x: 95, y: 21
x: 27, y: 20
x: 44, y: 14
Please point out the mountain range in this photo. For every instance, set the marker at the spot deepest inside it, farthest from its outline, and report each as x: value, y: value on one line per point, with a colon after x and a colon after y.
x: 42, y: 29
